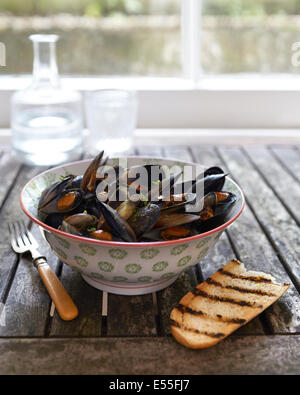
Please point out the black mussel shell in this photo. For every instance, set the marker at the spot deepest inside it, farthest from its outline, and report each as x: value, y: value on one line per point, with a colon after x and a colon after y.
x: 221, y: 215
x: 82, y: 221
x: 54, y: 220
x: 118, y: 225
x: 144, y: 218
x: 155, y: 174
x: 213, y: 170
x: 65, y: 227
x: 50, y: 193
x: 75, y: 183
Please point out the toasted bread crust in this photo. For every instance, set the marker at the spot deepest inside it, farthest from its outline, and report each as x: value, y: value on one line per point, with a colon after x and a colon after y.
x: 223, y: 303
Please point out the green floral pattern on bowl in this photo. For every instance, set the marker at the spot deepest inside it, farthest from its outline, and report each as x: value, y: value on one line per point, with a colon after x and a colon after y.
x: 64, y: 243
x: 183, y: 261
x: 160, y: 266
x: 133, y: 268
x: 179, y: 249
x: 106, y: 266
x: 117, y: 253
x: 142, y: 265
x: 86, y: 249
x: 60, y: 253
x: 149, y: 253
x: 81, y: 261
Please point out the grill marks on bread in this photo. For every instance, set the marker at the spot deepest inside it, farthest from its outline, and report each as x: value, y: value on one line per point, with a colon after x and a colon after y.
x: 220, y: 305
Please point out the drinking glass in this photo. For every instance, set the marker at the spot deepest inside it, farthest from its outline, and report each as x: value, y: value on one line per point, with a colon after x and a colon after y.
x: 111, y: 120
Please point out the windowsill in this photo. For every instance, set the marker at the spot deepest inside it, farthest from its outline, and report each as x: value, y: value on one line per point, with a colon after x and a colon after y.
x: 185, y: 137
x: 236, y: 101
x: 226, y: 82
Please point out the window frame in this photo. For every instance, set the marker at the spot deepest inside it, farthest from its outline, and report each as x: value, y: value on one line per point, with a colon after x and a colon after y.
x: 196, y: 100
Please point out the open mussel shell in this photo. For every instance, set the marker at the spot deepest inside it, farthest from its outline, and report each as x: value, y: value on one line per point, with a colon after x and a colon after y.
x: 177, y: 232
x: 82, y: 221
x: 50, y: 193
x: 54, y: 220
x: 64, y: 201
x: 127, y: 208
x: 144, y: 218
x: 146, y: 175
x: 213, y: 170
x: 177, y: 202
x: 75, y: 183
x: 88, y: 181
x: 167, y: 221
x: 163, y: 188
x: 118, y: 224
x: 210, y: 180
x: 221, y: 213
x: 65, y: 227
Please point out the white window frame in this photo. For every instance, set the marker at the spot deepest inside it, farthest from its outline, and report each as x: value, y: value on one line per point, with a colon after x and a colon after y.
x: 196, y: 100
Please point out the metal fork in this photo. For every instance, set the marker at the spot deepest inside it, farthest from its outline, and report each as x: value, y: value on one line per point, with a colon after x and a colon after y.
x: 22, y: 241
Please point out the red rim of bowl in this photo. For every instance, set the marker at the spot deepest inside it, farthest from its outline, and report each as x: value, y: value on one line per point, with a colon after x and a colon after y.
x: 124, y: 243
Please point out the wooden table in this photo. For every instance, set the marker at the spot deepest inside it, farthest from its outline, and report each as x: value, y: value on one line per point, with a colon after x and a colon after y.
x: 135, y: 336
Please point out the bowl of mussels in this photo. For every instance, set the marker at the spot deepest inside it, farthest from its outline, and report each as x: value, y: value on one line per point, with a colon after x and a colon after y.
x: 131, y: 225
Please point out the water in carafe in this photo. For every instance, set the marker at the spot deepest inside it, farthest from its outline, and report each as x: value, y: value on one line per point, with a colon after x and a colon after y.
x: 46, y: 120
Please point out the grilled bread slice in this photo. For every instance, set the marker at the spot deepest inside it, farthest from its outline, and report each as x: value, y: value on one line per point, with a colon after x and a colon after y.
x: 220, y: 305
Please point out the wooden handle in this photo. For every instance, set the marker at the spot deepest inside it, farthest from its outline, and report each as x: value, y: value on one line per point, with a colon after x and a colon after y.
x: 63, y: 303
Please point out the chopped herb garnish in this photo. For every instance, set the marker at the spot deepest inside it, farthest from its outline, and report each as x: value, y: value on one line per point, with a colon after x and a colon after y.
x: 61, y: 178
x: 135, y: 215
x: 143, y: 197
x: 91, y: 229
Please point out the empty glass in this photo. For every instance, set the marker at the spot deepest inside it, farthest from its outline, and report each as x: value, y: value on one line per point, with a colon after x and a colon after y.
x: 111, y: 120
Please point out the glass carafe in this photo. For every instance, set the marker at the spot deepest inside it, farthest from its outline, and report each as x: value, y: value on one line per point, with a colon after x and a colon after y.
x: 46, y: 119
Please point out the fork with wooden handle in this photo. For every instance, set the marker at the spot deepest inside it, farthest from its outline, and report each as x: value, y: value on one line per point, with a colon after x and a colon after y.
x: 23, y: 241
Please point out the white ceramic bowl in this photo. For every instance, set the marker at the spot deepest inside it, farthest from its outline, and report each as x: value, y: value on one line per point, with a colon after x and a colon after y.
x: 121, y: 267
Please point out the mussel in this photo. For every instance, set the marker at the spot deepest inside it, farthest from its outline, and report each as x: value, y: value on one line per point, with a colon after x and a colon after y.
x: 216, y: 210
x: 58, y: 199
x: 116, y: 203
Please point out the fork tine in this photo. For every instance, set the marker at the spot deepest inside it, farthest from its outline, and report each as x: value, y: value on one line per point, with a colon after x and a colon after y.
x: 10, y: 229
x: 24, y: 232
x: 31, y: 238
x: 12, y: 234
x: 18, y: 233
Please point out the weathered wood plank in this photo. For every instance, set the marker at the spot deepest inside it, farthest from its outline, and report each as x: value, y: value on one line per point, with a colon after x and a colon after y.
x: 256, y: 241
x: 145, y: 150
x: 222, y: 252
x: 289, y: 157
x: 248, y: 355
x: 11, y: 211
x: 88, y: 301
x: 277, y: 178
x: 130, y: 316
x: 9, y: 169
x: 27, y: 305
x: 26, y: 300
x: 170, y: 296
x: 177, y: 153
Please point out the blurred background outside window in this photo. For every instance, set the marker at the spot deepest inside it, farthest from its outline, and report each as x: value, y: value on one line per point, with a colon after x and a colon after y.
x: 148, y: 37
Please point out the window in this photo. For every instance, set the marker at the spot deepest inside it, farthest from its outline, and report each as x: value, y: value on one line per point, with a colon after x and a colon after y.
x: 196, y: 63
x: 249, y: 36
x: 97, y: 37
x: 166, y: 38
